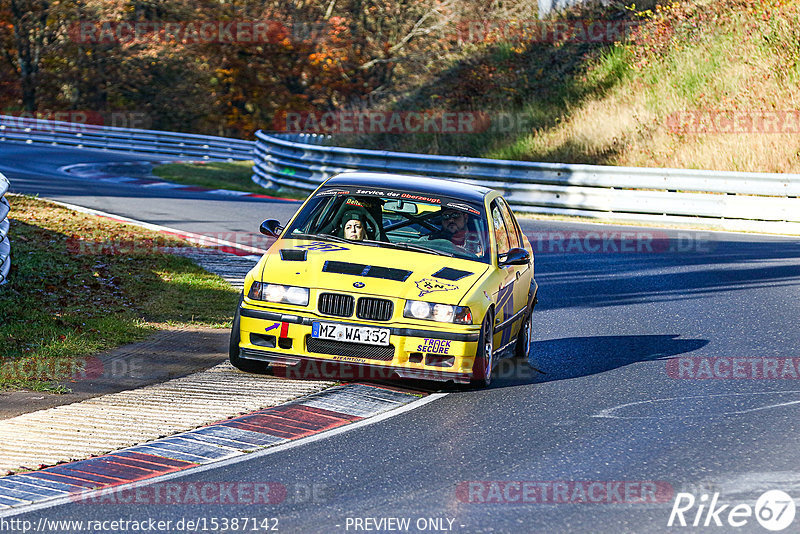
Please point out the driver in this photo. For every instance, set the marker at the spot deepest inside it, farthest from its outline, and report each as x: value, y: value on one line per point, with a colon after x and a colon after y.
x: 454, y: 227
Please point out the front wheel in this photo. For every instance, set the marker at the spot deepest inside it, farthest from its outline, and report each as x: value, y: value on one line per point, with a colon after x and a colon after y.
x: 484, y: 357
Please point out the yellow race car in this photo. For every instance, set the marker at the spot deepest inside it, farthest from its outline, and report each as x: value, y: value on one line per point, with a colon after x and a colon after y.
x: 397, y: 276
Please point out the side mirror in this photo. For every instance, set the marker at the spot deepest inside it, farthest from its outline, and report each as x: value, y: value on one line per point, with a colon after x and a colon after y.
x: 515, y: 256
x: 271, y: 227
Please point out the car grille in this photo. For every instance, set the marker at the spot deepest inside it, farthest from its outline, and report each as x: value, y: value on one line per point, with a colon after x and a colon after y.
x: 369, y: 308
x: 374, y: 309
x: 334, y: 304
x: 355, y: 350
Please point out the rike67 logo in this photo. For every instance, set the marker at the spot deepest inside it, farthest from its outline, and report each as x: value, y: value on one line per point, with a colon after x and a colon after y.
x: 774, y: 510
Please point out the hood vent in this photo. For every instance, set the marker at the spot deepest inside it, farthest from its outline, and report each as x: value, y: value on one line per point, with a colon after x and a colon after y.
x: 368, y: 271
x: 451, y: 274
x: 293, y: 254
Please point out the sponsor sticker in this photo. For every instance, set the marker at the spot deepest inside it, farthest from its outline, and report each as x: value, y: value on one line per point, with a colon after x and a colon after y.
x: 462, y: 207
x: 332, y: 192
x: 435, y: 346
x: 321, y: 246
x: 429, y: 285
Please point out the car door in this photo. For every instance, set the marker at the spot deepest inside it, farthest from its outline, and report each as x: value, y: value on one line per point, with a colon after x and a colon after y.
x: 513, y: 295
x: 524, y: 273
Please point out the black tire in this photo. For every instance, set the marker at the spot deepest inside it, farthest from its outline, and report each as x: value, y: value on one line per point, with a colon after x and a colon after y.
x: 522, y: 350
x: 484, y: 358
x: 248, y: 366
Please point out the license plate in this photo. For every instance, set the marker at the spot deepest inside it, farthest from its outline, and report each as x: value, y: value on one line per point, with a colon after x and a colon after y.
x: 350, y: 333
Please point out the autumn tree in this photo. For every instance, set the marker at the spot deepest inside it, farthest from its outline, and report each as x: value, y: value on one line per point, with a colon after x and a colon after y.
x: 30, y: 26
x: 318, y: 55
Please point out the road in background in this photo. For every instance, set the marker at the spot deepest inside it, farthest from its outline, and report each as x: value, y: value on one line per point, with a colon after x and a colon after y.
x: 35, y: 170
x: 644, y: 370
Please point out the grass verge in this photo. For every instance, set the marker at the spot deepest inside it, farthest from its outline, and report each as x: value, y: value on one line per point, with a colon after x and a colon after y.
x: 81, y: 284
x: 698, y: 85
x: 222, y: 175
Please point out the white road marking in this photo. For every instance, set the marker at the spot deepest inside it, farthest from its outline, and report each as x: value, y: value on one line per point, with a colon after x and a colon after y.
x: 609, y: 412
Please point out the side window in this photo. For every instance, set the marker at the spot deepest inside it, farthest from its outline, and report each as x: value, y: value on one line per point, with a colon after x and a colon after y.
x: 500, y: 233
x: 514, y: 239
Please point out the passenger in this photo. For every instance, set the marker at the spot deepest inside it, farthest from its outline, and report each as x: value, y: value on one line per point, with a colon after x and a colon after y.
x: 354, y: 226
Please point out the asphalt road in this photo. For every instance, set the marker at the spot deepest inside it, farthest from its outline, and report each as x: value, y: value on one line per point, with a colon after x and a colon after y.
x: 628, y: 388
x: 36, y: 170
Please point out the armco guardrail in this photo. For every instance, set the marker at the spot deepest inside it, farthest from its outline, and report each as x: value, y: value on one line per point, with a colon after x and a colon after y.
x: 30, y: 131
x: 735, y: 200
x: 5, y: 244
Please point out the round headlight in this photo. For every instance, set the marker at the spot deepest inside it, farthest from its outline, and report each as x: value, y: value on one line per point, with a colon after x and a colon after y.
x: 274, y: 292
x: 443, y: 313
x: 420, y: 310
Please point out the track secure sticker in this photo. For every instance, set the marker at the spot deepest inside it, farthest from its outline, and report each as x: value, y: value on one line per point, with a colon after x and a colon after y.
x: 429, y: 285
x: 435, y: 346
x: 321, y: 246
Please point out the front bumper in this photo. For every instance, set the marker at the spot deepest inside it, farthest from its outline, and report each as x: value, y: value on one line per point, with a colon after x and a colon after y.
x: 420, y: 353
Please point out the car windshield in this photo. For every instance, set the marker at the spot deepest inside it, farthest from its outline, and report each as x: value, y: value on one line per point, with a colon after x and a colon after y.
x: 397, y: 220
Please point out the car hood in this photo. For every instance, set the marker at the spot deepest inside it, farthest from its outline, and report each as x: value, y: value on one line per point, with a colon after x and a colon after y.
x: 370, y: 270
